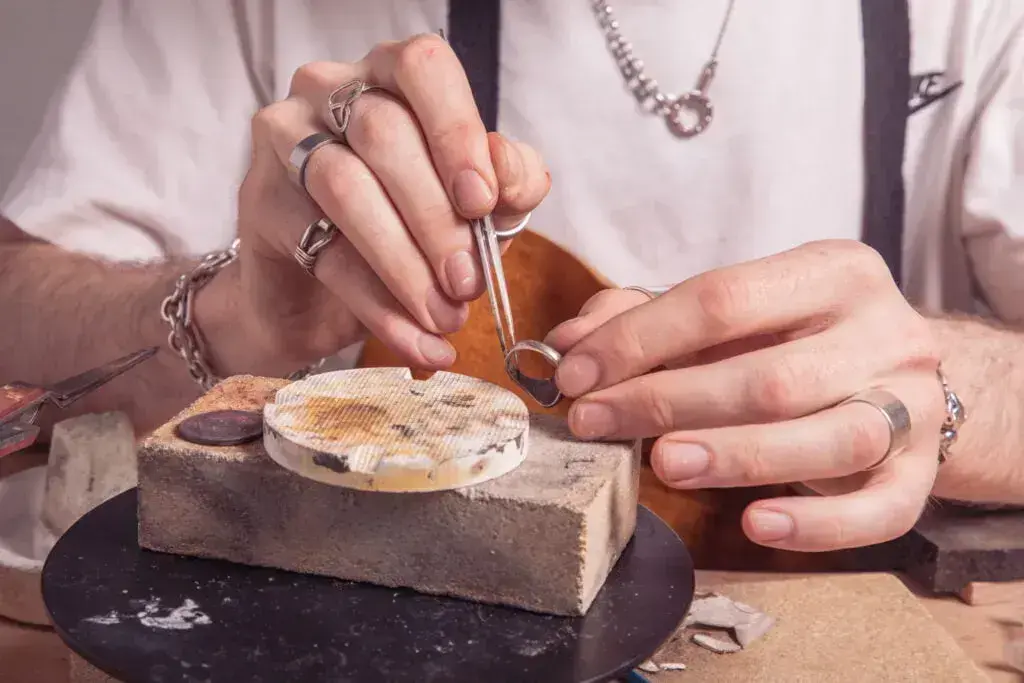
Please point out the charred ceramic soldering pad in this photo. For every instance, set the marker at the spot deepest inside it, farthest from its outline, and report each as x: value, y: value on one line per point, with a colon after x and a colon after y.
x: 542, y: 536
x: 380, y: 430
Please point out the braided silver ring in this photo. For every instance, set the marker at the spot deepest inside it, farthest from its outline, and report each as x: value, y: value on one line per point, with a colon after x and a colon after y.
x: 339, y: 106
x: 299, y: 158
x: 314, y: 240
x: 896, y: 416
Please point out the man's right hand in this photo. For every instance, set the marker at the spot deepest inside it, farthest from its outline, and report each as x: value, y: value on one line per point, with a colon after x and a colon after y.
x: 417, y: 165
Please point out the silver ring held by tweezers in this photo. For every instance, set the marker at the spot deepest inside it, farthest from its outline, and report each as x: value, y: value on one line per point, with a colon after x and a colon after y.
x: 315, y: 239
x: 543, y: 390
x: 298, y: 160
x: 896, y: 416
x: 339, y: 106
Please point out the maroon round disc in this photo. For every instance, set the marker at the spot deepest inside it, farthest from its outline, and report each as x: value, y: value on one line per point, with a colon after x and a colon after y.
x: 222, y: 427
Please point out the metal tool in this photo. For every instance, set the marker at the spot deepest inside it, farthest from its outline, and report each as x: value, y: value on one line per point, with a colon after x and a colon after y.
x: 20, y: 403
x: 542, y: 389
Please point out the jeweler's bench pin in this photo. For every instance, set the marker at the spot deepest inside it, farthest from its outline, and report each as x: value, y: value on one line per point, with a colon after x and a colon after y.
x: 541, y: 389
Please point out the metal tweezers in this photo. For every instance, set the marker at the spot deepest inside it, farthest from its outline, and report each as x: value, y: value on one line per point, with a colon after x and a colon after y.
x: 20, y: 403
x: 543, y: 390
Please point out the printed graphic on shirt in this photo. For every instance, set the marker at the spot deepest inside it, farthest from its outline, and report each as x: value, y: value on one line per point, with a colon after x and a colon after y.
x: 929, y: 88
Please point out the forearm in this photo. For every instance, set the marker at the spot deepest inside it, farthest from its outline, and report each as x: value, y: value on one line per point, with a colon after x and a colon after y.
x: 985, y: 366
x: 63, y: 313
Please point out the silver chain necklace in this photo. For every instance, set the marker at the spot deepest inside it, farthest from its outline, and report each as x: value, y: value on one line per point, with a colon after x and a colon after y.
x: 687, y: 115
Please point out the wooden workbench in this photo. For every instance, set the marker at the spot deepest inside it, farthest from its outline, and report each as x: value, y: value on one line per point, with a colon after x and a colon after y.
x: 33, y: 655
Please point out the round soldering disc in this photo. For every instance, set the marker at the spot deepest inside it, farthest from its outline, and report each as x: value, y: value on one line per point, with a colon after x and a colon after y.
x: 222, y: 427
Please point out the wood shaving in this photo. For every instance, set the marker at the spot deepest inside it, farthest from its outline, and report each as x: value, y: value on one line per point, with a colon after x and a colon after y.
x: 672, y: 666
x: 712, y: 610
x: 649, y: 667
x: 758, y: 625
x: 719, y: 645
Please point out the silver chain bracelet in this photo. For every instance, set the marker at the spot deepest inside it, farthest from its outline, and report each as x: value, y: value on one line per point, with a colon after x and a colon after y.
x: 176, y: 310
x: 956, y: 414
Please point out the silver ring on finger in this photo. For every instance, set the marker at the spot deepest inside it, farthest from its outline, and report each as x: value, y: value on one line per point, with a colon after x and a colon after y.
x: 896, y: 416
x: 339, y: 106
x: 315, y: 239
x: 651, y: 292
x: 298, y: 160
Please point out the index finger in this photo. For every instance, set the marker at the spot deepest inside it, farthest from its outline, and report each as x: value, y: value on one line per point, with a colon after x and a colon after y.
x: 809, y: 285
x: 427, y: 74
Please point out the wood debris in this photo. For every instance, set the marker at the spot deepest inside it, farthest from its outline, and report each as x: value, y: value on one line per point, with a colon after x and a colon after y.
x: 649, y: 667
x: 746, y: 623
x: 719, y: 645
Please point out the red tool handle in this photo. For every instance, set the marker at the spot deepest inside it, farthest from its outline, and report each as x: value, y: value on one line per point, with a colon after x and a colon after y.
x: 17, y: 437
x: 14, y: 397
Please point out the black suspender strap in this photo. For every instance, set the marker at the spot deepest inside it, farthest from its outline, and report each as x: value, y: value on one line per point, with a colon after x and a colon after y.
x: 474, y: 31
x: 886, y: 29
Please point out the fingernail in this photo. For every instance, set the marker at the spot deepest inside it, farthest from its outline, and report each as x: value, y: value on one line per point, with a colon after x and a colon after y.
x: 436, y: 350
x: 681, y: 461
x: 577, y: 375
x: 769, y: 525
x: 447, y: 315
x: 472, y: 194
x: 592, y: 420
x: 462, y: 277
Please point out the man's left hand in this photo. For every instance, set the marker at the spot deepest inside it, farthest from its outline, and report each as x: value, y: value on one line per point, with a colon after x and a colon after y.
x: 742, y: 373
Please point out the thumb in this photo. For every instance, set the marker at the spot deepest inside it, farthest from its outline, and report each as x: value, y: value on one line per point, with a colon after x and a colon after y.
x: 523, y: 180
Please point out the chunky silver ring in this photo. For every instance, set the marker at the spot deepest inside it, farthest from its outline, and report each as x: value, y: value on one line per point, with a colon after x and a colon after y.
x: 339, y: 106
x: 314, y: 240
x: 896, y: 416
x: 505, y: 235
x: 542, y: 389
x: 299, y: 158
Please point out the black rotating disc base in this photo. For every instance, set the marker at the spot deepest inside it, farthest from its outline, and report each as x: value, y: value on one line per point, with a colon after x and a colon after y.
x: 112, y: 603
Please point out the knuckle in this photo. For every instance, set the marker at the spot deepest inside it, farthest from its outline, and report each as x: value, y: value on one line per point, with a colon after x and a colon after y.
x: 601, y: 301
x: 866, y: 441
x: 416, y: 52
x: 268, y: 120
x: 921, y: 346
x: 861, y: 261
x: 311, y: 77
x: 724, y: 301
x: 336, y: 180
x: 753, y: 464
x: 901, y: 518
x: 772, y: 393
x: 626, y: 349
x: 655, y: 407
x: 452, y: 135
x: 380, y: 121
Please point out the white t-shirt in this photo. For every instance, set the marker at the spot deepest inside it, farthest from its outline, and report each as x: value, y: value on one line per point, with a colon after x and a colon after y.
x: 142, y: 154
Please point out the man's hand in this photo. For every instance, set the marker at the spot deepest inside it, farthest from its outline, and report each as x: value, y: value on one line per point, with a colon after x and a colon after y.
x: 417, y: 164
x: 754, y: 360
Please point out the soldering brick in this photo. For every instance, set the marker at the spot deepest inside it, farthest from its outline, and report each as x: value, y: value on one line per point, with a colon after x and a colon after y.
x: 543, y: 537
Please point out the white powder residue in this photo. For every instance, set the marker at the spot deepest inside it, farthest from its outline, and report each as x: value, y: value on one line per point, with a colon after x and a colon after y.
x: 152, y: 615
x: 105, y: 620
x: 178, y: 619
